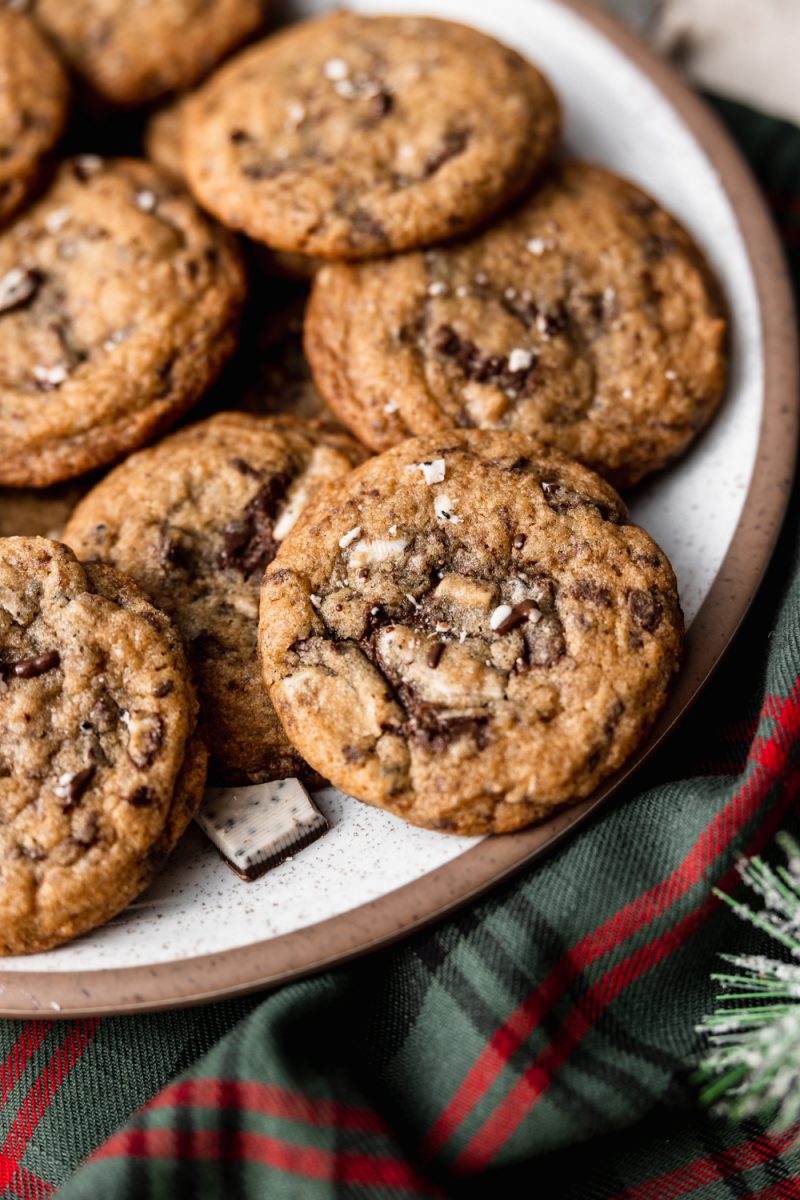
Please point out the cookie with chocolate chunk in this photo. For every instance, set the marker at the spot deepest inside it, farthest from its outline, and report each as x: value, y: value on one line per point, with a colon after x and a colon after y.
x: 587, y: 318
x: 469, y: 632
x: 100, y: 766
x: 34, y: 100
x: 194, y: 521
x: 119, y: 303
x: 352, y: 136
x: 133, y: 53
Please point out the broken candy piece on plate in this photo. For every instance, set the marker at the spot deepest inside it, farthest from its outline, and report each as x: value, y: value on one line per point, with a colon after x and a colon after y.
x: 257, y: 828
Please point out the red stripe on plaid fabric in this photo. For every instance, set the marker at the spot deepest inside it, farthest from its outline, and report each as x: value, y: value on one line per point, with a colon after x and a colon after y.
x: 30, y: 1039
x: 40, y: 1096
x: 211, y: 1145
x: 531, y: 1086
x: 270, y: 1100
x: 704, y: 1171
x: 26, y: 1185
x: 636, y: 915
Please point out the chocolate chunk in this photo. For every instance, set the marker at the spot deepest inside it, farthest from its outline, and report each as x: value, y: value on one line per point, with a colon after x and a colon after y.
x: 584, y: 589
x: 29, y: 668
x: 164, y: 689
x: 453, y: 144
x: 519, y: 541
x: 490, y: 369
x: 646, y: 609
x: 428, y: 729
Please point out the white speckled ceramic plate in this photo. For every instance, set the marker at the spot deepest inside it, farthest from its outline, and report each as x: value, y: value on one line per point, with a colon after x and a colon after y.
x: 200, y: 933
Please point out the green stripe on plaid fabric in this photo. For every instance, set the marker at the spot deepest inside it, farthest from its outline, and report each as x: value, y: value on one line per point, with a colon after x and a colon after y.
x: 541, y: 1042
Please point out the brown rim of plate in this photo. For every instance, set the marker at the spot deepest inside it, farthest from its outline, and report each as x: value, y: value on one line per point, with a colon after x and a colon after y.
x: 435, y: 895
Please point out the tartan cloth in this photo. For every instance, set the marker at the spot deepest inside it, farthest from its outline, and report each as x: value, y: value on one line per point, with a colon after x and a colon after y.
x: 541, y: 1042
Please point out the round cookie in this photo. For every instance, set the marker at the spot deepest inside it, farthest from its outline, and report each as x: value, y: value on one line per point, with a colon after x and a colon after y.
x: 118, y: 307
x: 34, y: 99
x: 194, y: 521
x: 468, y: 632
x: 587, y: 318
x: 352, y: 136
x: 100, y: 767
x: 134, y: 52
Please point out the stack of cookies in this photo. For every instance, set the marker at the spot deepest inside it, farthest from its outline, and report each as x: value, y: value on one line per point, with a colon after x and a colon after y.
x: 412, y: 350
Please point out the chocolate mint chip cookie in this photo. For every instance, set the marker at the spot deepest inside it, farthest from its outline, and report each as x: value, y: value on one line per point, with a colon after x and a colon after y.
x: 587, y: 318
x: 467, y: 631
x: 34, y: 99
x: 133, y: 51
x: 118, y: 306
x: 352, y: 136
x: 194, y: 521
x: 100, y: 768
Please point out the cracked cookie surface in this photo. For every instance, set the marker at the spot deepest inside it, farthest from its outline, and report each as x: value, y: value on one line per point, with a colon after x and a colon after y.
x: 468, y: 632
x: 118, y: 306
x: 354, y: 136
x: 100, y: 767
x: 194, y: 521
x: 34, y: 100
x: 133, y: 51
x: 587, y: 318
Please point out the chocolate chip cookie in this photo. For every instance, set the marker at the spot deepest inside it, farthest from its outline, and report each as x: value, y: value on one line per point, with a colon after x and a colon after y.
x: 194, y: 521
x: 587, y: 318
x: 34, y: 99
x: 469, y: 632
x: 133, y: 51
x: 118, y: 306
x: 100, y: 767
x: 353, y: 136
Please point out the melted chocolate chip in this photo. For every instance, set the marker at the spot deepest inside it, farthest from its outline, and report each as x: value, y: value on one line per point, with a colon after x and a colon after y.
x: 164, y: 689
x: 249, y: 544
x: 655, y: 247
x: 453, y: 144
x: 563, y: 499
x: 368, y: 228
x: 29, y: 668
x: 143, y: 797
x: 428, y: 729
x: 77, y: 786
x: 244, y: 468
x: 479, y: 368
x: 265, y: 170
x: 519, y: 541
x: 646, y: 609
x: 545, y: 642
x: 584, y: 589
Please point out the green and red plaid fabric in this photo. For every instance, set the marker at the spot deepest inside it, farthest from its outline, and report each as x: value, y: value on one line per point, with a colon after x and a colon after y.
x: 540, y: 1043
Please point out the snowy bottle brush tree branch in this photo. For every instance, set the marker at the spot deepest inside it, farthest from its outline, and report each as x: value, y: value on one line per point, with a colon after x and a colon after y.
x: 753, y: 1066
